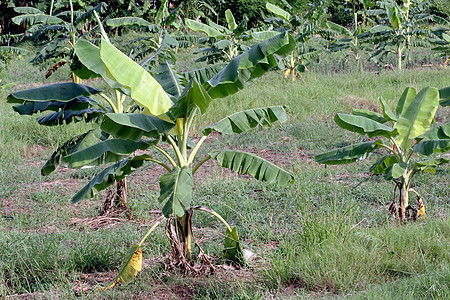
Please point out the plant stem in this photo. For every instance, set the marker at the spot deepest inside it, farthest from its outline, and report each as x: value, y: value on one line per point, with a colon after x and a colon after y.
x: 166, y: 155
x: 111, y: 103
x: 159, y: 163
x: 180, y: 158
x: 158, y: 221
x: 102, y: 30
x: 194, y: 151
x: 194, y: 169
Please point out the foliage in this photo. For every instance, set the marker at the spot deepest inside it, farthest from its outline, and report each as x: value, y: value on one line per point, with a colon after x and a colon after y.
x: 400, y: 28
x: 170, y: 105
x: 409, y: 135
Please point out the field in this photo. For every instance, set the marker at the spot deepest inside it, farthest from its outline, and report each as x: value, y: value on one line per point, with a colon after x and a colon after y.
x: 327, y: 235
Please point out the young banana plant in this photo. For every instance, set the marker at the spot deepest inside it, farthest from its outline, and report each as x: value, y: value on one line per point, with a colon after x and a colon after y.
x: 409, y: 141
x: 168, y: 102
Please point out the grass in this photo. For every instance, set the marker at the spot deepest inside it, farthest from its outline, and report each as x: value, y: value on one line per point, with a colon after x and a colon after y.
x: 327, y: 235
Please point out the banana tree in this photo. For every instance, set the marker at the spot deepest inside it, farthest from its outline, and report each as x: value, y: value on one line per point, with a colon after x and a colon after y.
x: 225, y: 43
x: 408, y: 140
x: 401, y: 28
x: 309, y: 44
x: 58, y: 31
x: 168, y: 103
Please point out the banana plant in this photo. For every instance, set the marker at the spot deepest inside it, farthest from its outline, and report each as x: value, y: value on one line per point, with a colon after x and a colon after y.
x: 309, y: 44
x: 58, y: 31
x: 440, y: 42
x: 168, y: 102
x: 401, y: 28
x: 225, y: 43
x: 408, y: 138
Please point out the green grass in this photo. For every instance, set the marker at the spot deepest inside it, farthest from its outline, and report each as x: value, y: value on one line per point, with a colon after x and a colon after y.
x: 327, y: 235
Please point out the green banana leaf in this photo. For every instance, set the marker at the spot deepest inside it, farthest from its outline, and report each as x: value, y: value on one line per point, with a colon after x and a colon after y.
x: 444, y: 96
x: 436, y: 133
x: 338, y: 28
x: 264, y: 35
x: 381, y: 28
x: 279, y: 12
x: 27, y: 10
x: 89, y: 56
x: 249, y: 65
x: 170, y: 80
x: 134, y: 126
x: 382, y: 164
x: 63, y: 92
x: 377, y: 117
x: 198, y: 26
x: 74, y: 144
x: 194, y: 95
x: 405, y: 100
x: 104, y: 152
x: 247, y: 120
x: 251, y: 164
x: 32, y: 19
x: 230, y: 20
x: 176, y: 190
x: 395, y: 170
x: 429, y: 147
x: 108, y: 176
x: 387, y: 112
x: 131, y: 21
x: 145, y: 90
x: 348, y: 154
x: 430, y: 164
x: 363, y: 125
x: 232, y: 247
x: 416, y: 118
x: 204, y: 74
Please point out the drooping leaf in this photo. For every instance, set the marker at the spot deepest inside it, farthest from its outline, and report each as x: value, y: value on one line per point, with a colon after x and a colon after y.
x: 436, y: 133
x: 103, y: 152
x: 339, y: 29
x: 74, y: 144
x: 64, y: 92
x: 198, y: 26
x: 264, y: 35
x: 430, y: 164
x: 135, y: 126
x: 444, y: 96
x: 248, y: 119
x: 176, y: 190
x: 428, y: 147
x: 417, y: 117
x: 204, y: 74
x: 279, y: 12
x: 405, y: 100
x: 363, y: 125
x: 132, y: 264
x: 395, y: 170
x: 145, y: 90
x: 32, y: 19
x: 251, y: 164
x: 249, y: 65
x: 131, y: 21
x: 348, y: 154
x: 27, y: 10
x: 377, y: 117
x: 108, y: 176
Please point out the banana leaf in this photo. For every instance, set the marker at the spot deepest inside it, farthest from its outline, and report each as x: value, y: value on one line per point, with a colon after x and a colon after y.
x: 348, y: 154
x: 247, y: 120
x: 364, y: 125
x: 176, y: 190
x: 251, y: 164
